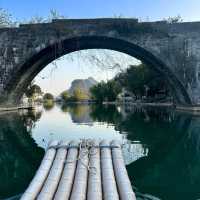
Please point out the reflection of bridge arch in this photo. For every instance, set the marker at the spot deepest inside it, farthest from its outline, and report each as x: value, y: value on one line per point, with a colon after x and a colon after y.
x: 20, y: 155
x: 34, y: 64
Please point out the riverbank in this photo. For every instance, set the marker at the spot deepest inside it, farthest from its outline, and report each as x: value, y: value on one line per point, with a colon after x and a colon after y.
x: 139, y: 104
x: 15, y: 108
x: 195, y: 109
x: 190, y: 109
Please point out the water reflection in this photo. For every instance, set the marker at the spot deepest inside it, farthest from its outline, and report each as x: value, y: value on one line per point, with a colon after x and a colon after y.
x: 80, y: 114
x: 162, y: 153
x: 48, y: 105
x: 19, y: 155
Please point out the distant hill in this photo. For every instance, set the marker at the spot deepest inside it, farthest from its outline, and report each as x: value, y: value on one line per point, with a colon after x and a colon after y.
x: 82, y: 84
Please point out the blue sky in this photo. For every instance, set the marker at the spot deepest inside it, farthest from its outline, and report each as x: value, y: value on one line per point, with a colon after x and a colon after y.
x: 151, y: 10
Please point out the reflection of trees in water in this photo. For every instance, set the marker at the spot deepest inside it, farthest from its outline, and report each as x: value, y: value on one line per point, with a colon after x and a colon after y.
x: 30, y: 117
x: 80, y: 113
x: 150, y: 126
x: 148, y: 113
x: 64, y: 108
x: 108, y: 114
x: 19, y: 157
x: 48, y: 105
x: 156, y: 129
x: 83, y: 113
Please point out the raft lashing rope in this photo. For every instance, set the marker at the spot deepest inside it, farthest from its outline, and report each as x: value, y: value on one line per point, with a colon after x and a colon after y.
x: 81, y: 170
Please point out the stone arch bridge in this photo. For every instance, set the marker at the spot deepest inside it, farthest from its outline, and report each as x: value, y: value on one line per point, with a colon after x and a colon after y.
x: 173, y: 49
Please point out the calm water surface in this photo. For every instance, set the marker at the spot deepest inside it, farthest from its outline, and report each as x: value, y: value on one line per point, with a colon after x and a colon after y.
x: 162, y: 147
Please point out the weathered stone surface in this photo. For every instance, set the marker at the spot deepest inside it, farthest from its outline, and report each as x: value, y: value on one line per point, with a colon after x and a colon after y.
x: 172, y: 49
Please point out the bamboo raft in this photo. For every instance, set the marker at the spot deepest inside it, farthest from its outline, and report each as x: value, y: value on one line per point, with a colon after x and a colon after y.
x: 79, y: 171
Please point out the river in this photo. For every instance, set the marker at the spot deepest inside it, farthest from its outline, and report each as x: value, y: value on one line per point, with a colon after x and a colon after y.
x: 161, y: 151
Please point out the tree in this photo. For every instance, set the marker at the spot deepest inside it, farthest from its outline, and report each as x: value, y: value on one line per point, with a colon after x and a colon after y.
x: 175, y: 19
x: 65, y: 96
x: 48, y: 96
x: 137, y: 79
x: 80, y: 95
x: 112, y: 90
x: 53, y: 14
x: 33, y: 91
x: 48, y: 101
x: 105, y: 91
x: 98, y: 91
x: 5, y: 18
x: 134, y: 79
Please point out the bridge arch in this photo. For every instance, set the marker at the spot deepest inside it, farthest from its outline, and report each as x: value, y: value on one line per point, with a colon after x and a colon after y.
x: 31, y: 67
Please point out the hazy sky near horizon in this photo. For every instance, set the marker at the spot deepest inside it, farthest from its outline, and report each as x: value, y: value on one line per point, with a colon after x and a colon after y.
x: 57, y: 80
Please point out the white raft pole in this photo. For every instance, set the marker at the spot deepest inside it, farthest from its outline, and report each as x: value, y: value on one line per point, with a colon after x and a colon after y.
x: 86, y: 170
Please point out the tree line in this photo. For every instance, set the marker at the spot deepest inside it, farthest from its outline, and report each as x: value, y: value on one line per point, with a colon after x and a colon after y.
x: 140, y: 80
